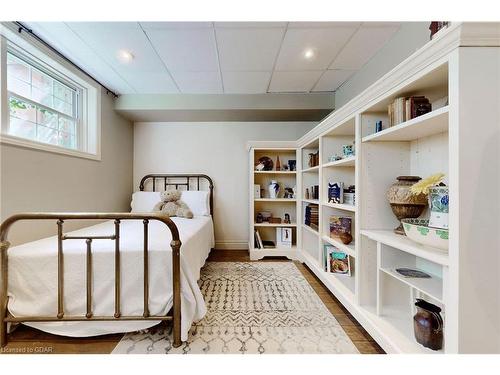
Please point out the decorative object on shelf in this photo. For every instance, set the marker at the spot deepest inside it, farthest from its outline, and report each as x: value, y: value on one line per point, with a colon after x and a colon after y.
x: 349, y: 195
x: 404, y: 203
x: 313, y: 159
x: 292, y: 165
x: 338, y: 261
x: 287, y: 219
x: 378, y: 126
x: 275, y: 220
x: 347, y: 151
x: 268, y: 245
x: 278, y: 163
x: 345, y: 237
x: 266, y: 215
x: 438, y: 199
x: 435, y: 26
x: 284, y: 237
x: 294, y: 190
x: 428, y: 325
x: 306, y: 194
x: 334, y: 158
x: 315, y: 192
x: 264, y: 163
x: 259, y: 219
x: 336, y: 192
x: 285, y: 167
x: 288, y: 193
x: 340, y: 224
x: 274, y: 189
x: 418, y: 230
x: 411, y: 272
x: 256, y: 191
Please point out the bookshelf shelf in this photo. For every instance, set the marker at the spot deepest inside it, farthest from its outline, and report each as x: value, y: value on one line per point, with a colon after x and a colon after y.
x: 310, y: 229
x: 340, y: 206
x: 431, y: 123
x: 275, y: 172
x: 272, y: 225
x: 312, y: 201
x: 277, y: 200
x: 347, y: 162
x: 348, y: 249
x: 314, y: 169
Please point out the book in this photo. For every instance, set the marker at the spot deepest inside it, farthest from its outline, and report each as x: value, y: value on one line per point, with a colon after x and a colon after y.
x: 260, y: 245
x: 338, y: 225
x: 339, y: 262
x: 336, y: 192
x: 268, y: 244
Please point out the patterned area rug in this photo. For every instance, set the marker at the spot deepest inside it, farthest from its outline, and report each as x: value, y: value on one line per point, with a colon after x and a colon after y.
x: 253, y: 308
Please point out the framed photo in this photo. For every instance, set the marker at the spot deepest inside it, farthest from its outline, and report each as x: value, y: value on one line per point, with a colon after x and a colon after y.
x: 284, y: 237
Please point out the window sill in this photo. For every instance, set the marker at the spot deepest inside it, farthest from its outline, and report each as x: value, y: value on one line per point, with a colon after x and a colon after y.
x: 20, y: 142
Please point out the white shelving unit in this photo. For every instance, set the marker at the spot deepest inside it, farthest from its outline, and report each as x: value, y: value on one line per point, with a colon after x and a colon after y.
x: 277, y: 206
x: 458, y: 138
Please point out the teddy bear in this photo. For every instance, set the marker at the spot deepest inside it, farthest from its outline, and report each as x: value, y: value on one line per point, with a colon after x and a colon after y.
x: 171, y: 205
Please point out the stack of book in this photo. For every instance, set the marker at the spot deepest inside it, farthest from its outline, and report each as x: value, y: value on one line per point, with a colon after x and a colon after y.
x: 312, y: 216
x: 262, y: 244
x: 406, y: 108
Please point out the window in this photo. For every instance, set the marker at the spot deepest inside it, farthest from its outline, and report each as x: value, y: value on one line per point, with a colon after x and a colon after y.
x: 42, y: 107
x: 45, y: 102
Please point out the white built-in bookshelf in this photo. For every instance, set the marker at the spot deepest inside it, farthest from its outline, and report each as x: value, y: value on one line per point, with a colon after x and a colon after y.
x: 456, y: 138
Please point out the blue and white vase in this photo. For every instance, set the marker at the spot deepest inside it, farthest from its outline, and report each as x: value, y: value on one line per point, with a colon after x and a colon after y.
x: 274, y: 189
x: 438, y: 202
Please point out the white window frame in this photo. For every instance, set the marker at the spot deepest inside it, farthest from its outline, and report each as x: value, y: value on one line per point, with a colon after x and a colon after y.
x: 89, y: 95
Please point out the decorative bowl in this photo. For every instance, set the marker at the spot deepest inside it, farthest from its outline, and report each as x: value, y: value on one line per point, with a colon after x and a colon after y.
x: 418, y: 230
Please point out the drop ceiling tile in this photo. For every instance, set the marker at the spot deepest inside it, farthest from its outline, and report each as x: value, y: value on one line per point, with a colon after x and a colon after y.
x: 198, y: 82
x: 176, y: 25
x: 186, y: 50
x: 107, y: 38
x: 152, y: 83
x: 251, y: 49
x: 332, y: 79
x: 326, y: 44
x: 363, y: 45
x: 311, y: 25
x: 69, y: 44
x: 246, y: 82
x: 249, y: 24
x: 294, y: 81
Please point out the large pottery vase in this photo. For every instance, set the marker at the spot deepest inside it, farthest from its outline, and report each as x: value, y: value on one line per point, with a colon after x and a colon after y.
x: 404, y: 204
x: 428, y: 325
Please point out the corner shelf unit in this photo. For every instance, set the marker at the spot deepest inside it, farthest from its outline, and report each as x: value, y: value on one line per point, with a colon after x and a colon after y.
x: 455, y: 138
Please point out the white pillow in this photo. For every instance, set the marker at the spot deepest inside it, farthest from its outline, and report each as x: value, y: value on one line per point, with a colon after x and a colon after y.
x: 197, y: 201
x: 144, y: 201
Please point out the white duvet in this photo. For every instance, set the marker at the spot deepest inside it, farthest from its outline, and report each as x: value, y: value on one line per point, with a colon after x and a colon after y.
x: 32, y: 288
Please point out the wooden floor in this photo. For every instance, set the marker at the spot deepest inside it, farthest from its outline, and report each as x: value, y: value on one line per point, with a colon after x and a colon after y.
x: 28, y: 340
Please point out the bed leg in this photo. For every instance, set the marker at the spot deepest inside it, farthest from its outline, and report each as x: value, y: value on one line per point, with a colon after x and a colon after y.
x: 4, y: 246
x: 176, y: 274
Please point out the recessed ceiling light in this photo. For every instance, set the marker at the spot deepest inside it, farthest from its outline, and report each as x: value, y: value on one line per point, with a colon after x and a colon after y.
x: 125, y: 56
x: 309, y: 54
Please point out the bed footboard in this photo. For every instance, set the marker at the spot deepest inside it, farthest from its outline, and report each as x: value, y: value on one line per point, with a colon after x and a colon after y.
x: 60, y: 219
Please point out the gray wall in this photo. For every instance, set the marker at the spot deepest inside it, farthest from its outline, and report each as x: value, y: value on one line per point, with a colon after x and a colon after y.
x: 410, y: 37
x: 218, y: 149
x: 33, y: 180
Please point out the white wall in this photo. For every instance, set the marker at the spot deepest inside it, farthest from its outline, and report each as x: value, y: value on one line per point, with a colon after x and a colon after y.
x: 34, y: 180
x: 410, y: 37
x: 216, y: 149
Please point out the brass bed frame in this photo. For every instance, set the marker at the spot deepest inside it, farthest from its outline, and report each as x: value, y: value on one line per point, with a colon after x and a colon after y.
x: 186, y: 180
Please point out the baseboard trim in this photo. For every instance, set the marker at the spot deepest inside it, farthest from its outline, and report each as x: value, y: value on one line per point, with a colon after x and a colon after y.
x: 231, y: 245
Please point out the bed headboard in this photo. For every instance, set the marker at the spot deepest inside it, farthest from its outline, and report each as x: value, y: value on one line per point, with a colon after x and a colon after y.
x: 189, y: 181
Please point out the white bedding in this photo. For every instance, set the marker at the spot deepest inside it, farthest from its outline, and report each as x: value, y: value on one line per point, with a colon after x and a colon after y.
x: 32, y: 285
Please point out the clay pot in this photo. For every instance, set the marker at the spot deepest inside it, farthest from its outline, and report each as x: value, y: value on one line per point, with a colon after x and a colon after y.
x: 428, y: 325
x: 403, y: 203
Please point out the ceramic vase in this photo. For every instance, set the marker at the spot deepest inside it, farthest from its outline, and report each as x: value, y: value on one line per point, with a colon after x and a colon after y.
x: 403, y: 203
x: 274, y: 189
x: 428, y: 325
x: 438, y: 202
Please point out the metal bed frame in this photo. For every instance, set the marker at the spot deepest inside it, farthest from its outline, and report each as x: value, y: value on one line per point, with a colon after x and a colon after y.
x: 168, y: 181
